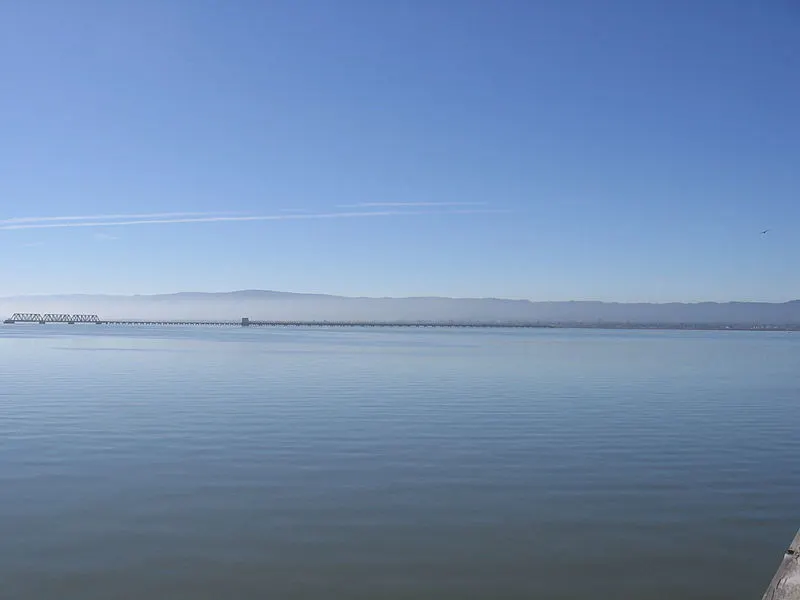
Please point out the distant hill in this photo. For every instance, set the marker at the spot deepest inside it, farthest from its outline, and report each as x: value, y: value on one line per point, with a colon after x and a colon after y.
x: 263, y: 304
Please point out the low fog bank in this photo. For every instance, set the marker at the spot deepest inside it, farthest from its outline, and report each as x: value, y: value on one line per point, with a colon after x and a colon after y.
x: 287, y: 306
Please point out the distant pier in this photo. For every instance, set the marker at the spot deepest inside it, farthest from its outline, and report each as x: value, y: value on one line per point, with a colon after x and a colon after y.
x: 245, y: 322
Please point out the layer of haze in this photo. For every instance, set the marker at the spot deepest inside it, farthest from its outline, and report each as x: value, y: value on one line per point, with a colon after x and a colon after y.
x: 266, y: 305
x: 621, y: 150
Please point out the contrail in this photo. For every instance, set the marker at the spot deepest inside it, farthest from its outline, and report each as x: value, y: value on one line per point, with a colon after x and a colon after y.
x: 102, y: 217
x: 221, y: 219
x: 408, y: 204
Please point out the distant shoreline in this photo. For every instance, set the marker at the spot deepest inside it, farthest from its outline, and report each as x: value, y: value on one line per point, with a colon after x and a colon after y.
x: 315, y: 309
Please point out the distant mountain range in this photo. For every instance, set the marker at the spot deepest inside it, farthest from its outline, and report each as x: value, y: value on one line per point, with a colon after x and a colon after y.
x: 261, y: 304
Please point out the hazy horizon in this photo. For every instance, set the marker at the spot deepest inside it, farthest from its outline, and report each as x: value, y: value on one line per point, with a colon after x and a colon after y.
x: 273, y: 305
x: 380, y: 297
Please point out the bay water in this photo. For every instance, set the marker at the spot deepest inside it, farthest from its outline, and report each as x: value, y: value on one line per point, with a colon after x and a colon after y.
x: 393, y: 463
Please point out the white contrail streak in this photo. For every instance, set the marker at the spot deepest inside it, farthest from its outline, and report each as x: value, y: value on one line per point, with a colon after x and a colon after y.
x: 409, y: 204
x: 221, y: 219
x: 167, y: 215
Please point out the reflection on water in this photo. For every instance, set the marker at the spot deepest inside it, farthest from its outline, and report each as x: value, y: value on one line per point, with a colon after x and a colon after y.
x: 324, y: 463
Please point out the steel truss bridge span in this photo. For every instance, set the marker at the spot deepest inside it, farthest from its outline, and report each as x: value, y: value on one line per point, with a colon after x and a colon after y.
x: 51, y: 318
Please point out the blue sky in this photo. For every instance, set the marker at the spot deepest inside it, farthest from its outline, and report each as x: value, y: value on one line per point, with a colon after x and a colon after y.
x: 628, y: 150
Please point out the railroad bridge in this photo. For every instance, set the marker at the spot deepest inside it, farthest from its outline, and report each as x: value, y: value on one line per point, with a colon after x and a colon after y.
x: 51, y: 318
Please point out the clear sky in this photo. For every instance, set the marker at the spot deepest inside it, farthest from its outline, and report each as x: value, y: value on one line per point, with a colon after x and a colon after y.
x: 627, y: 150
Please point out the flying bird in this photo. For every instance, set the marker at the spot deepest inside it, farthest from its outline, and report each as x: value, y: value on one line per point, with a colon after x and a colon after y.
x: 765, y: 231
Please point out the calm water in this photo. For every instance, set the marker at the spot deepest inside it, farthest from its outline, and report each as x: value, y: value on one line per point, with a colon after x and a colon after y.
x: 387, y: 464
